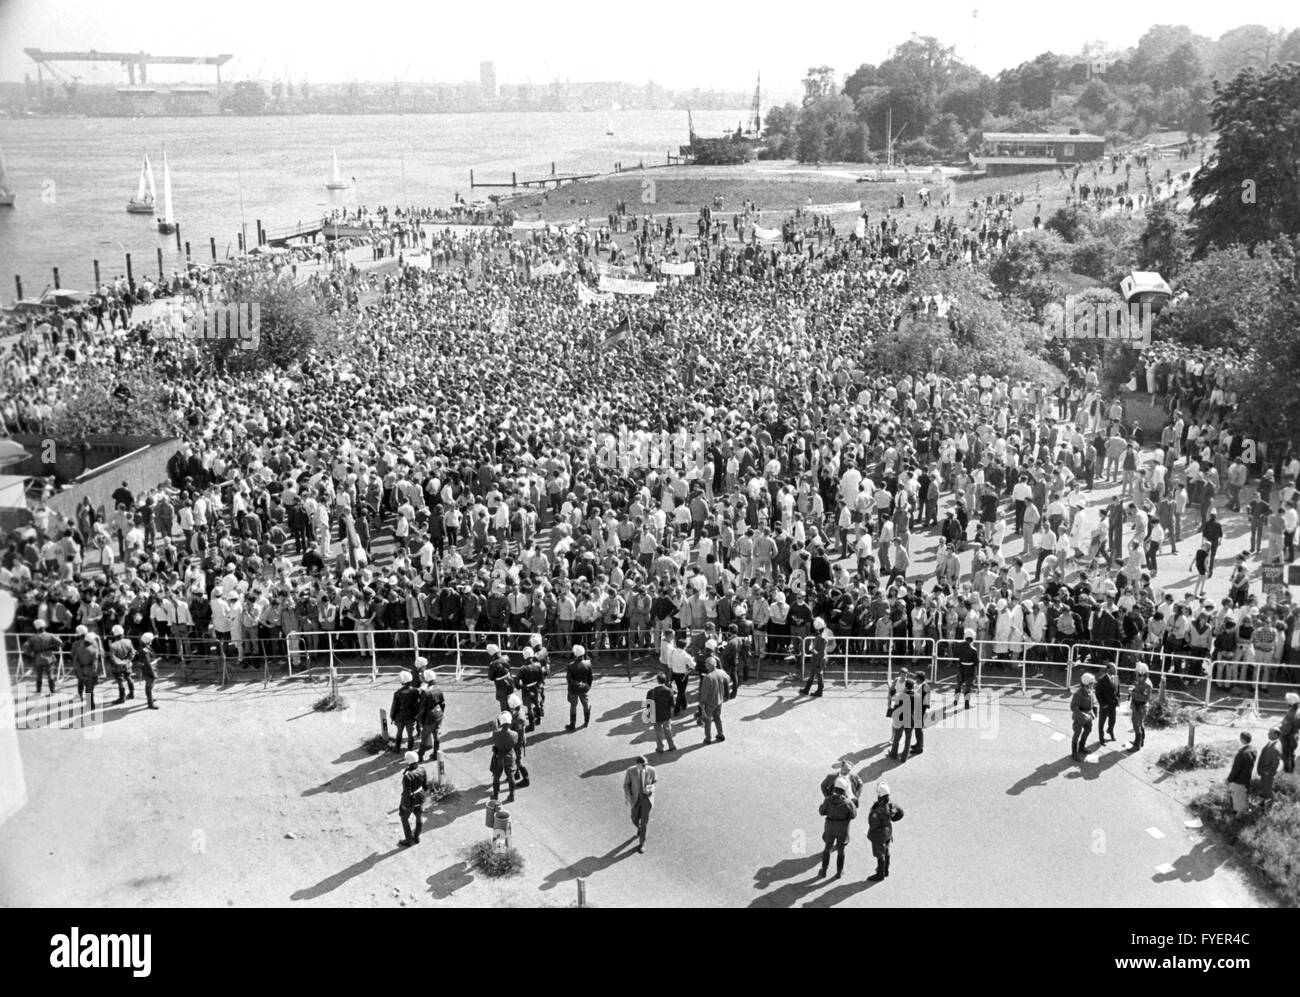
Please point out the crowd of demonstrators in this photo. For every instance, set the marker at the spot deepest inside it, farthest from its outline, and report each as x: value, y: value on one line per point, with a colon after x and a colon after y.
x: 474, y: 459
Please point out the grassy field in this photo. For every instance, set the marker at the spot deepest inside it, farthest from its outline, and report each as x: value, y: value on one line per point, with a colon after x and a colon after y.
x: 777, y: 188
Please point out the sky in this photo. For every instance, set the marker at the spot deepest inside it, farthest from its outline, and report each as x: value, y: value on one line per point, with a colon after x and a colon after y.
x: 677, y: 43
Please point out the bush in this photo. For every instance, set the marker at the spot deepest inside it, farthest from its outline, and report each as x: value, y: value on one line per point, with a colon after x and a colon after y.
x: 1185, y: 759
x: 329, y: 703
x: 1265, y: 837
x: 443, y: 792
x: 495, y: 862
x: 376, y: 744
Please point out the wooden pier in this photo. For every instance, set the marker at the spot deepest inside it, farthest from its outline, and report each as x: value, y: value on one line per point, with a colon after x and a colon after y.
x: 515, y: 183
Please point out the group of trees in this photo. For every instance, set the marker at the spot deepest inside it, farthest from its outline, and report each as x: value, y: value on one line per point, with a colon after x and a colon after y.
x: 939, y: 104
x: 1236, y: 260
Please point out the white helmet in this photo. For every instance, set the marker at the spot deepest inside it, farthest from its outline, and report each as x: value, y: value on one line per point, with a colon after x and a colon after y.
x: 579, y: 650
x: 882, y: 789
x: 1141, y: 668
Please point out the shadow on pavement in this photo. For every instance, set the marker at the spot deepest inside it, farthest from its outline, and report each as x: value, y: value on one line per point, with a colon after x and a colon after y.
x: 619, y: 712
x: 1044, y: 774
x: 623, y: 764
x: 444, y: 812
x: 445, y: 882
x: 776, y: 709
x: 839, y: 894
x: 482, y: 728
x: 378, y: 767
x: 586, y: 867
x: 1197, y: 865
x: 785, y: 869
x: 787, y: 895
x: 331, y: 883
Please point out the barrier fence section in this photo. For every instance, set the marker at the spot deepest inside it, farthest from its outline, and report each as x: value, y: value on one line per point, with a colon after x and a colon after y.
x: 871, y: 654
x: 1267, y: 681
x: 1179, y: 674
x: 1004, y: 661
x: 19, y: 665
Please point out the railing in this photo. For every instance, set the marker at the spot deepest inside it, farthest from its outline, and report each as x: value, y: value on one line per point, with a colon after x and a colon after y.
x: 19, y: 665
x: 1180, y: 674
x: 1005, y: 661
x: 875, y: 654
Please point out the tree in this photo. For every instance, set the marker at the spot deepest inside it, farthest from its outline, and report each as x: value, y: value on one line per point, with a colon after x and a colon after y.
x: 247, y: 97
x: 132, y: 402
x: 294, y: 324
x: 1030, y: 84
x: 1182, y: 67
x: 1289, y: 50
x: 1250, y: 46
x: 860, y: 81
x: 1096, y: 97
x: 1162, y: 246
x: 1231, y: 294
x: 1157, y: 45
x: 779, y: 131
x: 1247, y: 192
x: 818, y: 83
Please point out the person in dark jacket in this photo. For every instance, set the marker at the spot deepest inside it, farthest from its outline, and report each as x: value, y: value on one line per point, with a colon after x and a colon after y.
x: 519, y: 723
x: 838, y: 809
x: 402, y: 711
x: 579, y: 677
x: 922, y: 702
x: 1290, y: 728
x: 1239, y: 776
x: 504, y: 741
x: 430, y: 711
x: 1269, y: 760
x: 530, y: 680
x: 906, y: 713
x: 499, y: 674
x: 42, y: 649
x: 880, y: 830
x: 968, y: 659
x: 415, y: 783
x: 1083, y: 710
x: 841, y: 769
x: 87, y: 655
x: 1107, y: 702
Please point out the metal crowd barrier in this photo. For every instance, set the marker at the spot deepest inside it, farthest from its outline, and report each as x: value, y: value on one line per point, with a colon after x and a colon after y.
x: 874, y: 654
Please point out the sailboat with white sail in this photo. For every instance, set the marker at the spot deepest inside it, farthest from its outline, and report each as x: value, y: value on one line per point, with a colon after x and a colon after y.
x: 167, y: 220
x: 6, y: 195
x: 337, y: 182
x: 146, y: 195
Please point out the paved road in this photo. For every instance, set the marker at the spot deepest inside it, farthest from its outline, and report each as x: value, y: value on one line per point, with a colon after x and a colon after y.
x: 247, y: 797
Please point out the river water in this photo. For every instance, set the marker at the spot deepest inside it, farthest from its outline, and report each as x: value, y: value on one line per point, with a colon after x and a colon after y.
x: 73, y: 176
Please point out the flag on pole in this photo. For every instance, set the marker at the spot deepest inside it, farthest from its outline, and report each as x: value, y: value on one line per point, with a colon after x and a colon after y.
x: 619, y: 334
x: 860, y: 229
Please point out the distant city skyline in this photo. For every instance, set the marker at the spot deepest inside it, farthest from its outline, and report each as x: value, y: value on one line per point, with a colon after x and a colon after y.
x: 386, y: 39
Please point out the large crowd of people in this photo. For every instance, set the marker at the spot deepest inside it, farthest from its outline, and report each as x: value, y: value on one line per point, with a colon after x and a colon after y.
x: 477, y: 459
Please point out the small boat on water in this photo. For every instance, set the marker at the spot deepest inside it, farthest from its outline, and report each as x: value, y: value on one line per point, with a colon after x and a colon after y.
x: 337, y: 182
x: 145, y: 193
x: 6, y: 195
x: 167, y: 220
x: 609, y: 126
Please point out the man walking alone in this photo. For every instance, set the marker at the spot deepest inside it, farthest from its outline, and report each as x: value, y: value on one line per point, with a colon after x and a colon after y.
x: 639, y: 791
